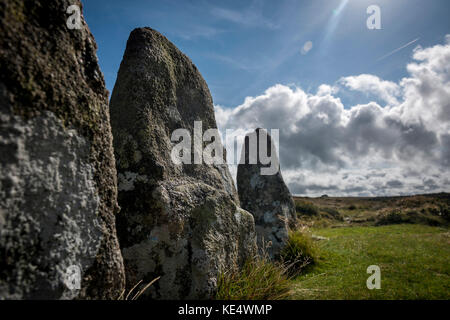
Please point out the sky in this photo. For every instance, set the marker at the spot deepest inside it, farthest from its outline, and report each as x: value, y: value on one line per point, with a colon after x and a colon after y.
x: 360, y: 111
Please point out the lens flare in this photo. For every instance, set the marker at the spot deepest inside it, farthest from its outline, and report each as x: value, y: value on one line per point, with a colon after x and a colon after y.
x: 333, y: 23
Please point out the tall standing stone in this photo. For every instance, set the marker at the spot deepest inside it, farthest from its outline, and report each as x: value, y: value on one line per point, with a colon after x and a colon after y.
x: 180, y: 222
x: 266, y: 196
x: 58, y: 194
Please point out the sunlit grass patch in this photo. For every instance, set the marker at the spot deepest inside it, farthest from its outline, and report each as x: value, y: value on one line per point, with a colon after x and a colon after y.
x: 414, y: 262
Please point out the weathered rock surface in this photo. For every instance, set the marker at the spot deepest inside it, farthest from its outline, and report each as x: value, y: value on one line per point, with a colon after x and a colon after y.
x: 58, y: 194
x: 178, y: 221
x: 265, y: 196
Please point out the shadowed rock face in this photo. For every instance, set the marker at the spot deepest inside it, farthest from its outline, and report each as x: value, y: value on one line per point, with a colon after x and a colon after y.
x: 265, y: 196
x: 58, y: 195
x: 178, y: 221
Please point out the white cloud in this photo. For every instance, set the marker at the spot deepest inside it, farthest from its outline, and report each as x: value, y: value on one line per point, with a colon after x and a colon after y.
x: 198, y: 31
x: 370, y: 84
x: 325, y: 89
x: 403, y: 147
x: 249, y: 17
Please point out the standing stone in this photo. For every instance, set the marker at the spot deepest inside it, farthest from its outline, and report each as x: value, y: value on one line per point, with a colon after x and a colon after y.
x: 266, y: 196
x: 181, y: 221
x: 58, y: 194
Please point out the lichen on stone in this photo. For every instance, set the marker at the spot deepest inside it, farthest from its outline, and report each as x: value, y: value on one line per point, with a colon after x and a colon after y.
x: 190, y: 209
x: 58, y: 178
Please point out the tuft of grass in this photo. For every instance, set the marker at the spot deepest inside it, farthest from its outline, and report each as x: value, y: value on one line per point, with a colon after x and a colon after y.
x: 299, y: 252
x: 259, y: 279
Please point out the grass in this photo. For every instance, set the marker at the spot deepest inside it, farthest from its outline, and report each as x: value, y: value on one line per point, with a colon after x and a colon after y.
x: 414, y: 262
x: 265, y: 279
x: 407, y: 237
x: 135, y: 293
x: 300, y: 252
x: 259, y: 279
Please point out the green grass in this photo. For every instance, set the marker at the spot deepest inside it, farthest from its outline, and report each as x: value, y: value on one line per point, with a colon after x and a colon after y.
x: 300, y: 252
x: 259, y: 279
x: 407, y: 237
x: 414, y: 261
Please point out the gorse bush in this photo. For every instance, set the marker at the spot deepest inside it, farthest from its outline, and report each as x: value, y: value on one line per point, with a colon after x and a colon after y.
x: 392, y: 217
x: 335, y: 214
x: 259, y: 279
x: 299, y: 252
x: 424, y: 216
x: 445, y: 212
x: 306, y: 208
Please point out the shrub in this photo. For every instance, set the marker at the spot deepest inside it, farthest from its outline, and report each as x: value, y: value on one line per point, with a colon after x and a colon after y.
x: 306, y: 208
x: 445, y: 212
x: 411, y: 216
x: 322, y: 223
x: 393, y: 217
x: 259, y: 279
x: 352, y: 207
x: 433, y: 221
x: 299, y: 252
x: 333, y: 212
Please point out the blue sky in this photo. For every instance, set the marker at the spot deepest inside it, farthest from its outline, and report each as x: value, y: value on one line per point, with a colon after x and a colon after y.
x: 361, y: 113
x: 244, y: 47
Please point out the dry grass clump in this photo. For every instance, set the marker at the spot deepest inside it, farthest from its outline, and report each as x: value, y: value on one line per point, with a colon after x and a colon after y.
x: 134, y: 294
